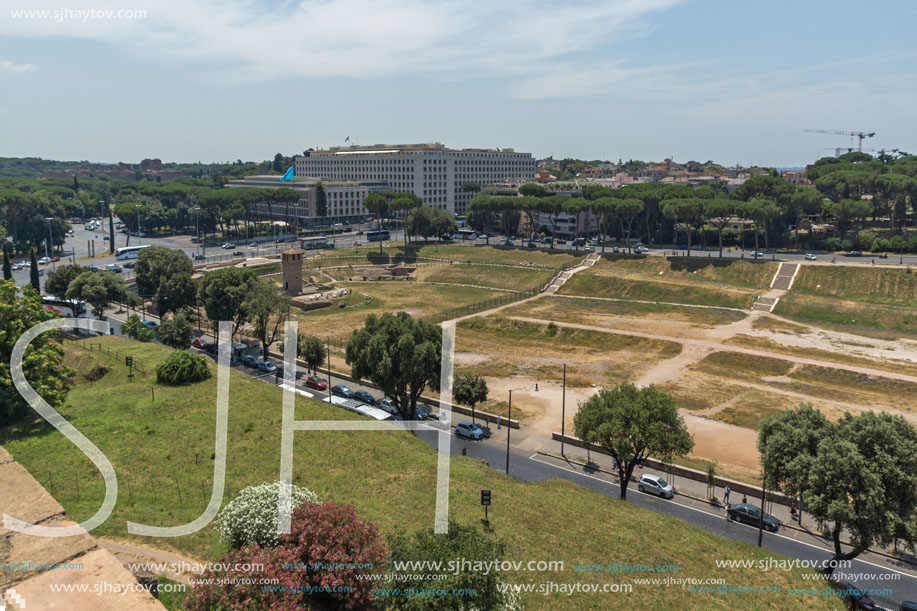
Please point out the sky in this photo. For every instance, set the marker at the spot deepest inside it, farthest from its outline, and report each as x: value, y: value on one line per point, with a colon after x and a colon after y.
x: 218, y: 80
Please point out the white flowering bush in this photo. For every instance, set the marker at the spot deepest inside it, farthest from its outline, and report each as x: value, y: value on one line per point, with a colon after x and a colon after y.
x: 252, y: 516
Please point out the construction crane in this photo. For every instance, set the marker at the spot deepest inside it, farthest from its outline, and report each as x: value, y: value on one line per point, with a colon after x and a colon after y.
x: 860, y: 135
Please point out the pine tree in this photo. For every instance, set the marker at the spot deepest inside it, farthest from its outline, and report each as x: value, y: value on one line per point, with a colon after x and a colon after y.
x: 33, y: 272
x: 7, y: 270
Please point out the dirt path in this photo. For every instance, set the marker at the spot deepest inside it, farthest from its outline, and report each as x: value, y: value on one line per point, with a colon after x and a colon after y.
x: 717, y: 345
x: 130, y: 553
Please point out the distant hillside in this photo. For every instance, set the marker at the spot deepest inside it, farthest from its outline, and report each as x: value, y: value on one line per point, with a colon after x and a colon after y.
x: 30, y: 167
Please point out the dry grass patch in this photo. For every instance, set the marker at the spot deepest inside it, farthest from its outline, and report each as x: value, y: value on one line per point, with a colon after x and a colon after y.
x: 493, y: 276
x: 858, y: 317
x: 730, y: 272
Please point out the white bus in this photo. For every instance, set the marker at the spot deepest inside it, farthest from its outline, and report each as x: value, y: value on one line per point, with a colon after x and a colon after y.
x: 129, y: 252
x: 63, y: 307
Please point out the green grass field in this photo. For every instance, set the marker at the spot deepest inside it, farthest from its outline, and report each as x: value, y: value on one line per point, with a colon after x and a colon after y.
x: 162, y: 453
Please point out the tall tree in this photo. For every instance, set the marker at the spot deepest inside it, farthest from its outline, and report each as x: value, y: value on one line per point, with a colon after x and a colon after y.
x: 176, y: 332
x: 111, y: 232
x: 33, y: 272
x: 278, y: 163
x: 321, y: 201
x: 631, y: 425
x: 58, y: 281
x: 7, y: 268
x: 43, y: 362
x: 98, y: 289
x: 863, y: 482
x: 375, y: 202
x: 627, y: 210
x: 311, y: 350
x: 265, y: 306
x: 469, y: 389
x: 222, y: 293
x: 399, y: 354
x: 720, y: 211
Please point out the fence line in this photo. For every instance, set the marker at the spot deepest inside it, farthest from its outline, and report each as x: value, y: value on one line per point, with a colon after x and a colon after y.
x: 98, y: 347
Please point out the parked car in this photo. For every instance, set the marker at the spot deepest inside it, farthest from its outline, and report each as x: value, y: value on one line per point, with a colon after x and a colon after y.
x: 211, y: 348
x: 113, y: 267
x: 908, y: 606
x: 560, y: 241
x: 316, y: 383
x: 41, y: 272
x: 855, y: 597
x: 696, y: 247
x: 469, y: 431
x: 44, y: 261
x: 105, y: 236
x: 615, y: 249
x: 424, y: 412
x: 810, y: 257
x: 237, y: 253
x: 129, y: 264
x: 55, y: 259
x: 654, y: 484
x: 342, y: 391
x: 250, y: 360
x: 266, y: 366
x: 757, y: 253
x: 365, y: 397
x: 483, y: 236
x: 751, y: 514
x: 884, y: 255
x: 200, y: 342
x: 389, y: 406
x: 253, y: 245
x: 853, y: 253
x: 149, y: 324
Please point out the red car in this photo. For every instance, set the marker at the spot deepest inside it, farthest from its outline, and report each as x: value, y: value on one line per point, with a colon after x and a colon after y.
x: 55, y: 259
x: 199, y: 342
x: 316, y: 383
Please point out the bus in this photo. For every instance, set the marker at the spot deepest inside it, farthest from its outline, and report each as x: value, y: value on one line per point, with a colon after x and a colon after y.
x: 465, y: 234
x: 63, y: 307
x: 380, y: 235
x: 129, y: 252
x: 316, y: 243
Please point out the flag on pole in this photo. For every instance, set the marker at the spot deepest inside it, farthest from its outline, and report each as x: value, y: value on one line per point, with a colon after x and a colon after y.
x: 289, y: 175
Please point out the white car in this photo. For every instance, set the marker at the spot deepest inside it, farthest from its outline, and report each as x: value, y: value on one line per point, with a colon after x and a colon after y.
x: 229, y: 245
x: 655, y: 485
x: 757, y: 253
x: 641, y: 249
x: 811, y: 257
x: 44, y: 261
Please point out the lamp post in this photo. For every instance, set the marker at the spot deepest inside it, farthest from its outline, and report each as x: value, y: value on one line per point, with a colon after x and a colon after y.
x: 563, y: 405
x: 49, y: 219
x: 197, y: 223
x: 509, y: 417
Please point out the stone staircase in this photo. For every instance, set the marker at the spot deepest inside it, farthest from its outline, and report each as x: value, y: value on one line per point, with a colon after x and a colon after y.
x: 565, y: 275
x: 780, y: 284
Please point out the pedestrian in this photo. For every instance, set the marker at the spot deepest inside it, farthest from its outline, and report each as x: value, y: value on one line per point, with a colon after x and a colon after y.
x: 793, y: 510
x: 726, y: 513
x: 726, y: 495
x: 744, y: 499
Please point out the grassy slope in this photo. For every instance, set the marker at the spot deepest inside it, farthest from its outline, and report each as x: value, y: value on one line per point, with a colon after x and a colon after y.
x: 476, y: 254
x: 161, y: 452
x: 501, y: 277
x: 857, y: 299
x: 697, y: 281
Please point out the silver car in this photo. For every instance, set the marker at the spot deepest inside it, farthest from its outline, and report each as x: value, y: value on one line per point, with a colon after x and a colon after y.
x: 654, y: 484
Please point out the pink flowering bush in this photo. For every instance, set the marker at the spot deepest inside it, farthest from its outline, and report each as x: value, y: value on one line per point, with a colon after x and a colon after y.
x: 315, y: 566
x: 336, y: 545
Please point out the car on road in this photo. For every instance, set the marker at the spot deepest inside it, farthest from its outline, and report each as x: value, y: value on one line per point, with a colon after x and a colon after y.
x: 105, y: 236
x: 55, y: 259
x: 44, y: 261
x: 615, y: 249
x: 342, y: 391
x: 389, y: 406
x: 149, y: 324
x: 751, y: 515
x: 199, y: 342
x: 560, y: 241
x: 138, y: 234
x: 95, y: 268
x: 810, y: 257
x: 199, y: 257
x: 16, y: 267
x: 483, y: 236
x: 266, y: 366
x: 653, y: 484
x: 757, y: 253
x: 129, y: 264
x: 469, y: 431
x: 696, y: 247
x: 316, y: 383
x: 250, y: 360
x: 365, y: 397
x: 424, y: 412
x: 41, y: 272
x: 237, y: 253
x: 113, y: 267
x: 641, y: 249
x: 253, y: 245
x: 228, y: 245
x: 853, y: 253
x: 856, y: 598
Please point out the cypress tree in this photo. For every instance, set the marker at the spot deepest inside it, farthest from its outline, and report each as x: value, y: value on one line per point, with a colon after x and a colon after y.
x: 7, y: 269
x: 33, y: 272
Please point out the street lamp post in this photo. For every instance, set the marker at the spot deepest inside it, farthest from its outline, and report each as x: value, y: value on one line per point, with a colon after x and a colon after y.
x: 197, y: 224
x: 563, y: 405
x: 509, y: 417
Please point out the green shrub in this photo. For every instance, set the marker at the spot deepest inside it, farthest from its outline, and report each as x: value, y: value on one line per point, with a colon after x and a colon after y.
x: 833, y: 244
x: 847, y: 244
x: 251, y: 517
x: 182, y: 368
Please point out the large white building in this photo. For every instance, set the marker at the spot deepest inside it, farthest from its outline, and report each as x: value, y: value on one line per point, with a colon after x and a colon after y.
x: 431, y: 171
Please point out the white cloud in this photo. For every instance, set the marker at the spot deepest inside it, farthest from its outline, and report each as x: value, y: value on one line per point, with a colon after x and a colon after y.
x: 357, y: 38
x: 8, y: 66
